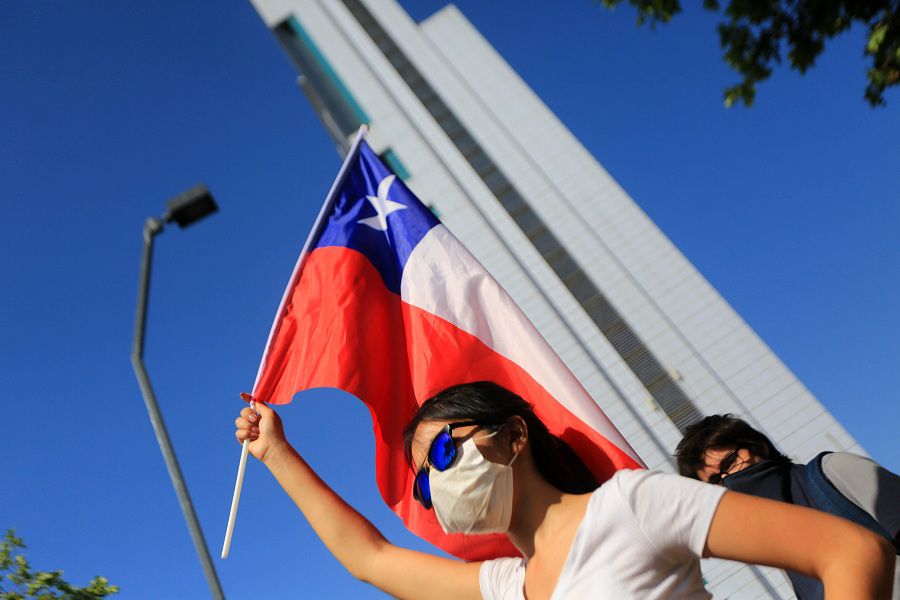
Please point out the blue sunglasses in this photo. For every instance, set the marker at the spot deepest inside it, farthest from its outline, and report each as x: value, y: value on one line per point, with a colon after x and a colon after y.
x: 441, y: 454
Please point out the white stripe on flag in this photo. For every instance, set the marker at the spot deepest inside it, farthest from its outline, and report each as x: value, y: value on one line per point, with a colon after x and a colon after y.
x: 443, y: 278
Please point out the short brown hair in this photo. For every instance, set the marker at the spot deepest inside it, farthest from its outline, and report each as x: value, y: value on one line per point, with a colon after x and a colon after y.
x: 721, y: 431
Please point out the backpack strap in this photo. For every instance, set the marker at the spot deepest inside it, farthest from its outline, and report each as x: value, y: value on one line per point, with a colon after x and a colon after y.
x: 824, y: 496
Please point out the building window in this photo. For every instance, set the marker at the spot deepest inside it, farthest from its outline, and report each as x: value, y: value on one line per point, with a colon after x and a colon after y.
x: 329, y: 96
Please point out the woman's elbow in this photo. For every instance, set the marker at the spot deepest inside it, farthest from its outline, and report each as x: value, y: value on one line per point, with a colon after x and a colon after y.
x: 869, y: 556
x: 883, y: 559
x: 880, y: 553
x: 888, y: 557
x: 365, y: 566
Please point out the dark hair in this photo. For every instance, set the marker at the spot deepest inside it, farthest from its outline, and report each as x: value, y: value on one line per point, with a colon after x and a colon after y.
x: 491, y: 405
x: 721, y: 431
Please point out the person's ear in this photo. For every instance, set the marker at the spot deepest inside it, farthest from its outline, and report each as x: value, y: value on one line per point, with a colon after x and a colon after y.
x: 518, y: 433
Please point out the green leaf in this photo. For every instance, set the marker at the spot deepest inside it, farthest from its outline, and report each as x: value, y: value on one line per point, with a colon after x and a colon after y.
x: 876, y: 38
x: 42, y: 585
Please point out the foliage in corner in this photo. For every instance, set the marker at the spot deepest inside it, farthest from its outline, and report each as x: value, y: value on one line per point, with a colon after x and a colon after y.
x: 757, y: 34
x: 18, y: 581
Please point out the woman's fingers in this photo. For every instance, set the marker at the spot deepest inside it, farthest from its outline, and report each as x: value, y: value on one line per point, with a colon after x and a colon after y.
x: 263, y: 409
x: 246, y: 434
x: 243, y: 423
x: 248, y: 424
x: 245, y: 429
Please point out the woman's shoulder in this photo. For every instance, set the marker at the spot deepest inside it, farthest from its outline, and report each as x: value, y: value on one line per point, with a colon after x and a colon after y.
x: 500, y: 578
x: 626, y: 480
x: 646, y: 492
x: 673, y: 512
x: 612, y: 501
x: 504, y: 564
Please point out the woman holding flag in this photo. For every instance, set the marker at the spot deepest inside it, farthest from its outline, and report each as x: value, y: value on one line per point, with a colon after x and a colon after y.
x: 386, y: 304
x: 485, y: 463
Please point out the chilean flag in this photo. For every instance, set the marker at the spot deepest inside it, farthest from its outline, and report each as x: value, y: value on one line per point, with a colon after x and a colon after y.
x: 386, y: 304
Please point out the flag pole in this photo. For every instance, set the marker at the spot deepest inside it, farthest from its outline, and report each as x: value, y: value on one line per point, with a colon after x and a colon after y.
x: 236, y: 498
x: 313, y: 235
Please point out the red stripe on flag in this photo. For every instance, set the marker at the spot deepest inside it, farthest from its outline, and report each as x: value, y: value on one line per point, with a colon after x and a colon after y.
x: 342, y: 328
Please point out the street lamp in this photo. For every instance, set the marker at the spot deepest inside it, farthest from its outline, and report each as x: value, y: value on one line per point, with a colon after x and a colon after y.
x: 184, y: 209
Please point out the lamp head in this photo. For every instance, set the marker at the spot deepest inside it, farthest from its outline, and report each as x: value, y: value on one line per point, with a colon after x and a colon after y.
x: 190, y: 206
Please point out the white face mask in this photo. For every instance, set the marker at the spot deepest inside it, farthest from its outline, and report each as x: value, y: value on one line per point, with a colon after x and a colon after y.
x: 474, y: 495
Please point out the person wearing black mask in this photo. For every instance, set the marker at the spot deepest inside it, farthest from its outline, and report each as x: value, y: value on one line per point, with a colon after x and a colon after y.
x: 725, y: 450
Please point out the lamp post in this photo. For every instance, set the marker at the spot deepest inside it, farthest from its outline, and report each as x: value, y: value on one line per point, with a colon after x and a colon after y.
x: 184, y: 209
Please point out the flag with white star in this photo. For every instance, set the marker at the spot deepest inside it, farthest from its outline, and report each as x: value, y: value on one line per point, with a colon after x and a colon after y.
x: 387, y: 305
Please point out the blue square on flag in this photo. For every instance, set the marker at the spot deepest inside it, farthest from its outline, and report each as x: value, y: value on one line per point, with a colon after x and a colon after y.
x: 376, y: 214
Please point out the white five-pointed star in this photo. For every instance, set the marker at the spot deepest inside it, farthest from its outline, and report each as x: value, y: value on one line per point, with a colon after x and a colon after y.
x: 383, y: 206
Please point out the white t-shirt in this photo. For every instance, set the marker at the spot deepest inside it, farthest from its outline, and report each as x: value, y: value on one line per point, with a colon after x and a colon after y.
x: 641, y: 537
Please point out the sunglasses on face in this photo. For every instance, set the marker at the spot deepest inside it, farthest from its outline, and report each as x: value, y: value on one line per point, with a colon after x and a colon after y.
x: 441, y: 454
x: 725, y: 466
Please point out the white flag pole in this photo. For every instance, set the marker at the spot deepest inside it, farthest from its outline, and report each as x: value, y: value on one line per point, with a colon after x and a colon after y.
x: 313, y: 234
x: 236, y: 498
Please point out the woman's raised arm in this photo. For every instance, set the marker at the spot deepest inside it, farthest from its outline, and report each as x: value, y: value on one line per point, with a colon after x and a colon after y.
x: 353, y: 540
x: 851, y: 561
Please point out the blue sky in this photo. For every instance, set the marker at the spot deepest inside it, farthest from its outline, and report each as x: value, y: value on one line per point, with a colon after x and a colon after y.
x: 790, y: 209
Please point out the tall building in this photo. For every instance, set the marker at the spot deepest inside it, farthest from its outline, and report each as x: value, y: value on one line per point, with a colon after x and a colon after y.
x: 651, y: 340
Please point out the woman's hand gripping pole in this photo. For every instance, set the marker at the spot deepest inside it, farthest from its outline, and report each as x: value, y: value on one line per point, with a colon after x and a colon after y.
x: 236, y: 498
